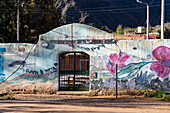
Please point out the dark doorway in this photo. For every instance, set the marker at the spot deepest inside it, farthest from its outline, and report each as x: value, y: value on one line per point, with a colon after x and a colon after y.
x: 74, y: 71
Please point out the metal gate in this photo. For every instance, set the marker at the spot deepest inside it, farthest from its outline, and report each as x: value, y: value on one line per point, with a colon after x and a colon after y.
x: 73, y: 71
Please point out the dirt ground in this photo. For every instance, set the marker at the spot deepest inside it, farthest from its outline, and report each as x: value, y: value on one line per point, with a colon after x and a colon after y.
x: 39, y: 103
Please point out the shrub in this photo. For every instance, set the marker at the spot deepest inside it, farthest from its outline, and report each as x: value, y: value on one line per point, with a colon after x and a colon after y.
x: 166, y: 98
x: 94, y: 93
x: 150, y: 94
x: 7, y: 98
x: 156, y: 94
x: 159, y: 94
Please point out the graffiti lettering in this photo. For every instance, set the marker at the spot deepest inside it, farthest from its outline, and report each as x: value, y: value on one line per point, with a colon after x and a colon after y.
x: 41, y: 71
x: 31, y: 72
x: 49, y: 69
x: 92, y: 49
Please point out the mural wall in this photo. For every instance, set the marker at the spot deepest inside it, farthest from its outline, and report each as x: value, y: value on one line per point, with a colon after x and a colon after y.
x: 142, y: 64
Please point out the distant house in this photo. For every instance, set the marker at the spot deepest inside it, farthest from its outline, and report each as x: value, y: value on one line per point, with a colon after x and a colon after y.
x: 152, y: 36
x: 132, y: 36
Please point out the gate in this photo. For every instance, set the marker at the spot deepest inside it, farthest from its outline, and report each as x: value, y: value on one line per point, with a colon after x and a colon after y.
x: 74, y: 71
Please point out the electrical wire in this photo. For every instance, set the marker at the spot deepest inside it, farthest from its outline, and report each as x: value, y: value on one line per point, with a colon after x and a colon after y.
x: 120, y: 9
x: 110, y: 7
x: 20, y: 66
x: 92, y: 11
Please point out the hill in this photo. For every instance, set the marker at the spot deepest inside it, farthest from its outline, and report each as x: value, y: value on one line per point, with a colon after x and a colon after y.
x: 111, y: 13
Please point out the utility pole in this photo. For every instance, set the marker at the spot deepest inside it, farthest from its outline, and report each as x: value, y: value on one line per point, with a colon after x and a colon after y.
x: 162, y: 19
x: 117, y: 66
x: 147, y: 21
x: 18, y: 21
x: 147, y: 16
x: 116, y: 79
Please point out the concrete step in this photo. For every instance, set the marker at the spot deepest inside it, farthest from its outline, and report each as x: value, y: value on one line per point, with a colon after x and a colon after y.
x: 72, y: 92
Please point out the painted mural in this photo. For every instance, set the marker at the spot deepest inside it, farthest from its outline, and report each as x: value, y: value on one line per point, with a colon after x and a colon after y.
x: 2, y: 75
x: 142, y: 64
x: 150, y: 73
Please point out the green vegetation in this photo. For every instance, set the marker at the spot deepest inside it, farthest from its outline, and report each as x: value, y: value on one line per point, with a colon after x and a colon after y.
x: 119, y: 30
x: 36, y: 17
x: 7, y: 97
x: 93, y: 93
x: 146, y: 93
x: 129, y: 30
x: 166, y: 98
x: 157, y: 94
x: 166, y: 34
x: 109, y: 98
x: 156, y: 29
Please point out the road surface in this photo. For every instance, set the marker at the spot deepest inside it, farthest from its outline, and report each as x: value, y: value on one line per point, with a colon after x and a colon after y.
x: 33, y: 103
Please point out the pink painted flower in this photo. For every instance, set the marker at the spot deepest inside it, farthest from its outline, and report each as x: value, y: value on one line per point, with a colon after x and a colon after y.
x: 162, y: 66
x: 115, y: 58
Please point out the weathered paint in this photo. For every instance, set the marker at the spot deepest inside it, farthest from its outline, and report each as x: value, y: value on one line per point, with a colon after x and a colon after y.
x: 138, y: 60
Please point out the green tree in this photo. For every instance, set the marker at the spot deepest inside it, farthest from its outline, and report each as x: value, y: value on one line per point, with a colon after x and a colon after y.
x: 166, y: 34
x: 128, y: 30
x: 119, y: 30
x: 7, y: 21
x: 36, y: 17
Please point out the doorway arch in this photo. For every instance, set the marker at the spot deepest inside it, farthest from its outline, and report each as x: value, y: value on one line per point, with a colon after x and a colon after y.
x: 74, y: 71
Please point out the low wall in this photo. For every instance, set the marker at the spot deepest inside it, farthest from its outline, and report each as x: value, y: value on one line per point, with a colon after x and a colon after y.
x: 142, y: 64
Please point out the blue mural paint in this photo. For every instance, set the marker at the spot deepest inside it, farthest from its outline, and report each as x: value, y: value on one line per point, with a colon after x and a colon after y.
x: 2, y: 75
x: 2, y: 50
x: 111, y: 62
x: 2, y: 78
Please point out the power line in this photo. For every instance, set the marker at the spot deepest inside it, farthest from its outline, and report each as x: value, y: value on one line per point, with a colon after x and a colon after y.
x: 112, y: 6
x: 120, y: 9
x: 109, y: 7
x: 96, y: 7
x: 89, y: 11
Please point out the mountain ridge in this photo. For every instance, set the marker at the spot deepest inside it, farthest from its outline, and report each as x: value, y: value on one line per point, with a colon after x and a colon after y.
x: 111, y: 13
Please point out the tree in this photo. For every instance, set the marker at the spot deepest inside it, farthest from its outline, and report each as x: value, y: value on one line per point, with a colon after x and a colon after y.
x: 128, y: 30
x: 7, y: 21
x: 166, y: 34
x: 36, y: 17
x: 119, y: 30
